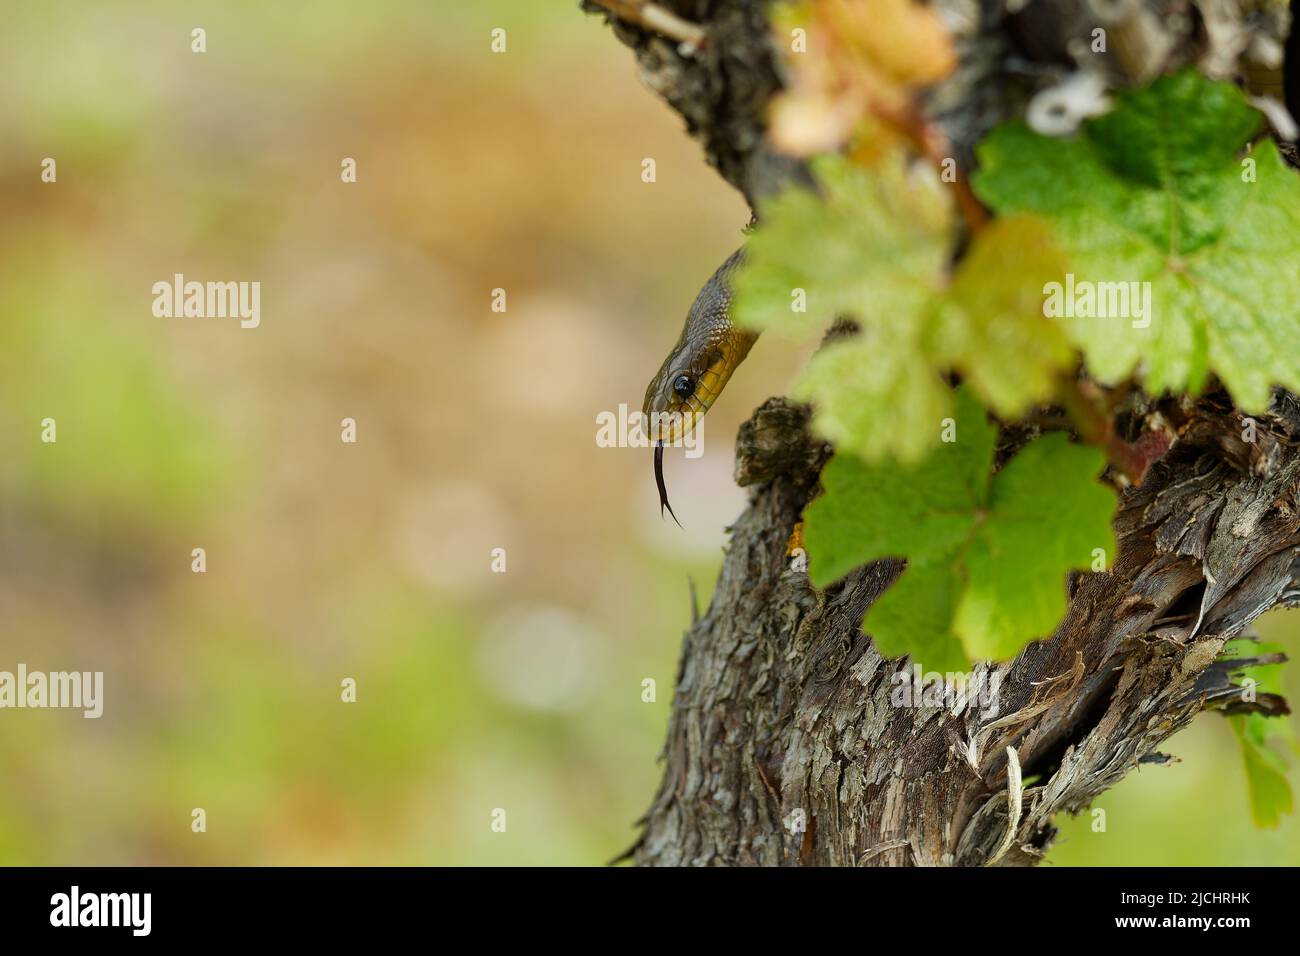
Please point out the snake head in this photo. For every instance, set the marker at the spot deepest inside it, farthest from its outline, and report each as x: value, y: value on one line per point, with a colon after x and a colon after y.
x: 680, y: 394
x: 700, y: 364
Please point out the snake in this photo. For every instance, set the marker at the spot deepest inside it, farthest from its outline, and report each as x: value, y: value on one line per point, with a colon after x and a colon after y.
x: 697, y: 369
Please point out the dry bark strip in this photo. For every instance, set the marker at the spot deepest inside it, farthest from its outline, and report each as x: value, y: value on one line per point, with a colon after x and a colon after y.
x: 784, y: 747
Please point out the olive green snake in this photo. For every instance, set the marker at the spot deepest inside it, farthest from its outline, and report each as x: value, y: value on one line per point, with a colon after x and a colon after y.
x: 697, y: 369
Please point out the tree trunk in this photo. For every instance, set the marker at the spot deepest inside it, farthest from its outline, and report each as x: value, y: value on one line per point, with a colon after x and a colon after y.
x: 787, y: 744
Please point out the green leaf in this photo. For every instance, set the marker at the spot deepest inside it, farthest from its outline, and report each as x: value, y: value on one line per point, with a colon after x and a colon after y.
x: 1270, y: 791
x: 987, y: 557
x: 874, y: 246
x: 1046, y: 514
x: 992, y: 318
x: 866, y: 245
x: 915, y: 615
x: 1263, y: 738
x: 1156, y: 192
x: 876, y: 396
x: 878, y: 511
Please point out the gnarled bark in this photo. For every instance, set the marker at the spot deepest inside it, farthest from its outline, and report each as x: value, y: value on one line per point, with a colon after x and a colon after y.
x: 785, y: 712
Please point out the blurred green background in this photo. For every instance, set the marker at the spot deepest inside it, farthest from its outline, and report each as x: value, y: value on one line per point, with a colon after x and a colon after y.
x: 476, y: 690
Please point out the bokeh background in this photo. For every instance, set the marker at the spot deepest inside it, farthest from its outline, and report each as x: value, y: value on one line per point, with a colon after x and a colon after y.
x: 476, y: 430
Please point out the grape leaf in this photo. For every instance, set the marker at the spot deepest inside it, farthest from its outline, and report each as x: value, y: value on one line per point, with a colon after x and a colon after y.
x: 1262, y: 738
x: 874, y: 246
x: 1156, y: 192
x: 992, y: 318
x: 876, y: 396
x: 987, y: 556
x: 1270, y: 791
x: 867, y: 244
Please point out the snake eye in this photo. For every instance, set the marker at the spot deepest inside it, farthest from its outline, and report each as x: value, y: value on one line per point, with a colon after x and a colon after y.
x: 684, y: 386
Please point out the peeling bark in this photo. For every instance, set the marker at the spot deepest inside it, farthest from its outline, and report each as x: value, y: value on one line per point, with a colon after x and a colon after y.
x: 785, y: 745
x: 784, y: 710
